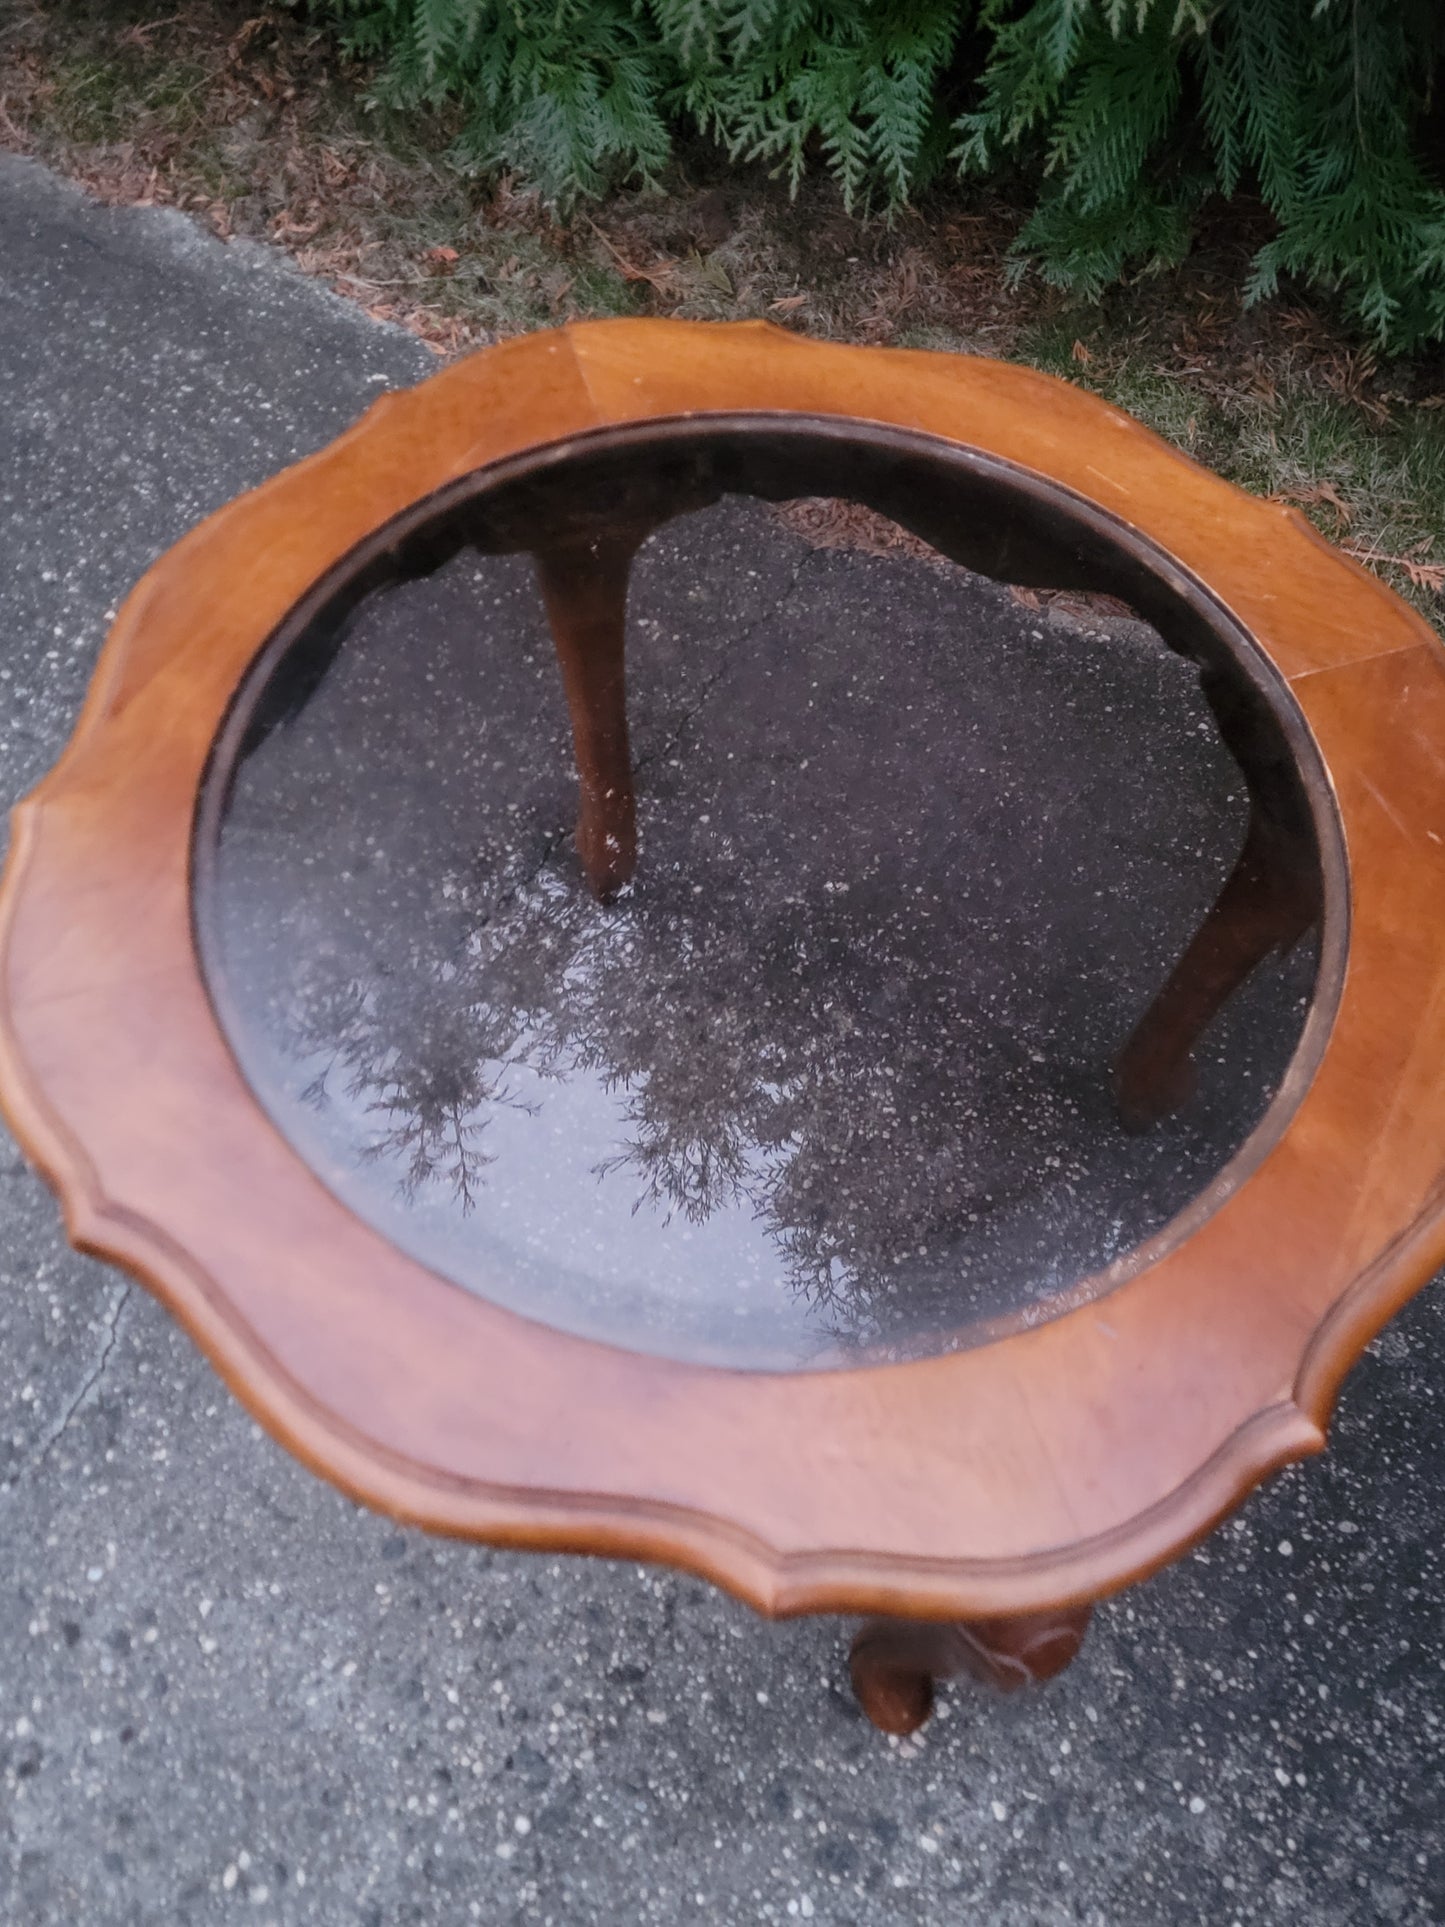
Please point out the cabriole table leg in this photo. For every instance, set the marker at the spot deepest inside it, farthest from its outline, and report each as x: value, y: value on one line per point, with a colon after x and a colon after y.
x: 1269, y: 901
x: 584, y: 587
x: 1266, y: 904
x: 895, y: 1663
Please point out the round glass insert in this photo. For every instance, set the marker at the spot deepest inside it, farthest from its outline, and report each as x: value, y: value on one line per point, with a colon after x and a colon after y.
x: 831, y: 1080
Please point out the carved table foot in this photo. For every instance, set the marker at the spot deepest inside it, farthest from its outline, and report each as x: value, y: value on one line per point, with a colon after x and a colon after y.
x: 895, y: 1663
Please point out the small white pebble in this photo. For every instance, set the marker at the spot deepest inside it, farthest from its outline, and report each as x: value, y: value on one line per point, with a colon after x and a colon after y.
x: 1286, y: 1548
x: 229, y: 1877
x: 522, y: 1824
x: 1000, y: 1811
x: 1196, y: 1805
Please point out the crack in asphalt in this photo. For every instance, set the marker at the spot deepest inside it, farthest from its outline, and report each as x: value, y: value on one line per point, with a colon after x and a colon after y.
x: 711, y: 682
x: 93, y: 1378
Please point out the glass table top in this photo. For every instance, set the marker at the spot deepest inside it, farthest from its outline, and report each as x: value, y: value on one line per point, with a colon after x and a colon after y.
x: 830, y: 1082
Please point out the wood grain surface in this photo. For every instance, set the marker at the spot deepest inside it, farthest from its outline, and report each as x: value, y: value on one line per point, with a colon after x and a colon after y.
x: 1048, y: 1467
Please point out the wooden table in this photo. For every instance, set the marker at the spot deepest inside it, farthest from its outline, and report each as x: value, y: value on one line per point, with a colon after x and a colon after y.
x: 974, y: 1501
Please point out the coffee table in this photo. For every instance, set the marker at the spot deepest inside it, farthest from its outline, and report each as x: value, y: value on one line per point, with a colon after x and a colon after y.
x: 971, y: 1482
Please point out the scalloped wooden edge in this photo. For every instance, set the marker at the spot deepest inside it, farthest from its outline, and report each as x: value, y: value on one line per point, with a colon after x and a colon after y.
x: 735, y: 1551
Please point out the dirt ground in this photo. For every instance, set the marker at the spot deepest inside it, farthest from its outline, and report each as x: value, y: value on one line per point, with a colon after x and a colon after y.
x: 254, y: 123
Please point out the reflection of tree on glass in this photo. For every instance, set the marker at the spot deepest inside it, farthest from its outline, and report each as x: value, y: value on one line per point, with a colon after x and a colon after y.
x: 791, y: 1071
x: 414, y: 1049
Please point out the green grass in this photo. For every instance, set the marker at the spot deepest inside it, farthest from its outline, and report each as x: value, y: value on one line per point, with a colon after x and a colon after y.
x: 1369, y: 471
x: 102, y: 100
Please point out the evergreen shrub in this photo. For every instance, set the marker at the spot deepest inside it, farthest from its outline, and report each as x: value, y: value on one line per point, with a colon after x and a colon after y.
x: 1118, y: 119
